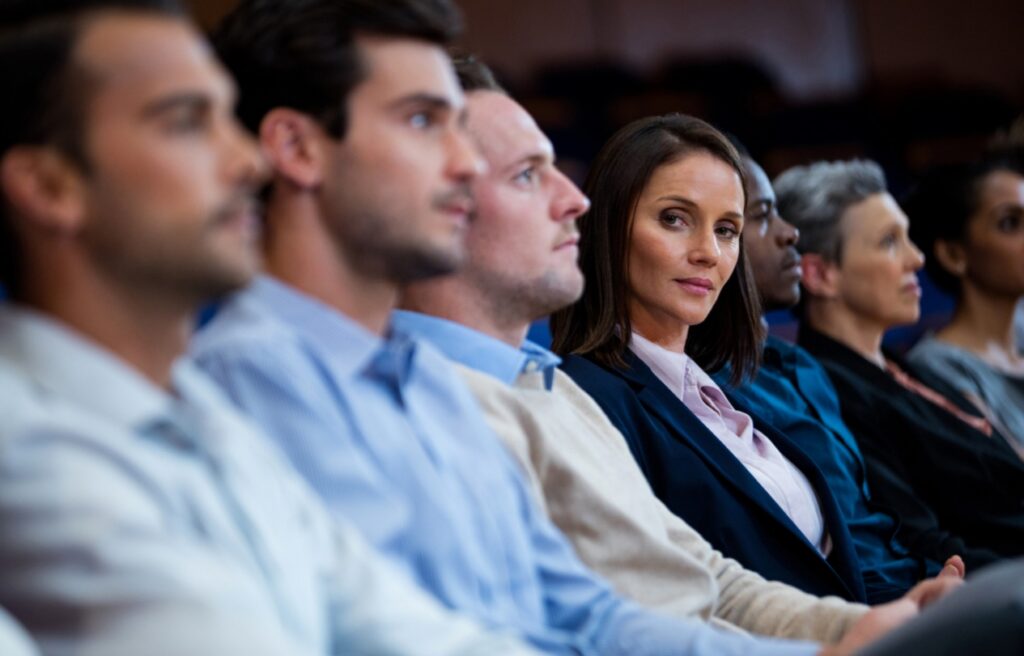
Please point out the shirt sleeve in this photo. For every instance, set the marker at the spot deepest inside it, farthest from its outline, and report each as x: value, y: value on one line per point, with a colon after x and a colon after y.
x: 89, y: 559
x: 13, y: 640
x: 583, y: 605
x: 764, y: 607
x: 377, y: 609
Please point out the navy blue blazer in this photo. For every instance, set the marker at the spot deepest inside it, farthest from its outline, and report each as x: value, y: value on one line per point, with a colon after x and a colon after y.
x: 702, y: 482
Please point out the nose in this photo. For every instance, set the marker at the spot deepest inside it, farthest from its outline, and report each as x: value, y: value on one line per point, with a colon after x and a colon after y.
x: 787, y: 234
x: 569, y: 202
x: 916, y: 257
x: 703, y: 249
x: 245, y: 164
x: 464, y: 159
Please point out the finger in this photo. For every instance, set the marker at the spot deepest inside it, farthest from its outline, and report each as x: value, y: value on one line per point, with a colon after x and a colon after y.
x: 956, y: 564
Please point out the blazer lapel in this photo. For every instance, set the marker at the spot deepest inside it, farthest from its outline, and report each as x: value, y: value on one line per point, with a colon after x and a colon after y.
x: 687, y: 428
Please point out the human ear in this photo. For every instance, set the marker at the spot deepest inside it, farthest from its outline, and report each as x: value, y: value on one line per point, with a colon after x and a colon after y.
x: 820, y: 277
x: 43, y: 187
x: 952, y: 257
x: 293, y: 144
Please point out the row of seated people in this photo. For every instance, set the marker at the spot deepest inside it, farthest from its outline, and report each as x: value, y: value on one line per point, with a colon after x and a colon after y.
x: 326, y: 473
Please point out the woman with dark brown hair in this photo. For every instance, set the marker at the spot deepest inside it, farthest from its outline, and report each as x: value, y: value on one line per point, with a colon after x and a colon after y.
x: 669, y: 297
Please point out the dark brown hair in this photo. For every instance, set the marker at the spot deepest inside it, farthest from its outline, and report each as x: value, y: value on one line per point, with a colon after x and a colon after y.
x: 303, y: 53
x: 46, y: 90
x: 941, y: 205
x: 598, y: 324
x: 473, y: 74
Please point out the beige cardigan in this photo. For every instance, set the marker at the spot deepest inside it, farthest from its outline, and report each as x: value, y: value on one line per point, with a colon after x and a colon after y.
x: 582, y: 472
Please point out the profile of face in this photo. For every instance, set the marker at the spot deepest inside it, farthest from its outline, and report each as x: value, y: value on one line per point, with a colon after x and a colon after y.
x: 684, y: 244
x: 522, y: 241
x: 876, y: 278
x: 167, y: 197
x: 991, y: 256
x: 770, y: 242
x: 396, y: 189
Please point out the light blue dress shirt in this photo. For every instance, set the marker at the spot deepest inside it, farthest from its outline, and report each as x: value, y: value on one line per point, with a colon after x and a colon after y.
x: 137, y: 521
x: 390, y: 437
x: 477, y: 350
x: 13, y: 639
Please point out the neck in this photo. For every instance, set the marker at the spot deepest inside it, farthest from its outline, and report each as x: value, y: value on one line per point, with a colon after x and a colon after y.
x: 838, y: 322
x: 448, y: 298
x: 146, y: 328
x: 664, y: 331
x: 982, y: 323
x: 300, y: 251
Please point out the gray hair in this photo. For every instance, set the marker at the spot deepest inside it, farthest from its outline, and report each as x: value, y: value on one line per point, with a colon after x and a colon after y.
x: 814, y: 197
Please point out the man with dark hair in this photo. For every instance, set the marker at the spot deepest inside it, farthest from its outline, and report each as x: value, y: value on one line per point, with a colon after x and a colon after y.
x: 377, y: 420
x: 793, y: 392
x: 139, y: 514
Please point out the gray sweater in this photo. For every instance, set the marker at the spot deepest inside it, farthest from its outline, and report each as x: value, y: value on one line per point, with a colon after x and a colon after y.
x: 1002, y: 393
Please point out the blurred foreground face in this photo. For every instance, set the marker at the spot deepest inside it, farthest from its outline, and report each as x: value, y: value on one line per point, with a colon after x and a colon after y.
x: 993, y: 251
x: 684, y: 243
x: 522, y: 243
x: 877, y: 276
x: 770, y: 243
x: 397, y: 193
x: 167, y: 196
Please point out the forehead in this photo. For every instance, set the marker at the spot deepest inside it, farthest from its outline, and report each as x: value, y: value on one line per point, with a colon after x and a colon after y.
x: 133, y: 58
x: 1002, y: 187
x: 504, y: 131
x: 402, y: 67
x: 701, y: 178
x: 758, y: 186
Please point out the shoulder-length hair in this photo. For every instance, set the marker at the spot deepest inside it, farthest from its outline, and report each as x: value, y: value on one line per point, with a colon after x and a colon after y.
x: 598, y: 325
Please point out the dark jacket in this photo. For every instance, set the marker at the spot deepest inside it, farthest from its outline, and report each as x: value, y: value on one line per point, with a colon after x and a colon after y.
x: 957, y: 490
x: 793, y: 393
x: 701, y: 481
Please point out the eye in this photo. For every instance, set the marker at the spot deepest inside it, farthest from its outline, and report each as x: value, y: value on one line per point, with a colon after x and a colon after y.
x: 672, y: 219
x: 421, y: 120
x: 727, y: 229
x: 186, y: 121
x: 888, y: 241
x: 527, y: 176
x: 761, y: 211
x: 1009, y: 222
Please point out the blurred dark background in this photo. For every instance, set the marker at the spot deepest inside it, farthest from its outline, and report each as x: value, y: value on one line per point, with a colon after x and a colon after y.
x: 908, y: 83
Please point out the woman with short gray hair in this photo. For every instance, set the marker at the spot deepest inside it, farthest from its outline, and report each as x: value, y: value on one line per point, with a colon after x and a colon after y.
x: 931, y: 456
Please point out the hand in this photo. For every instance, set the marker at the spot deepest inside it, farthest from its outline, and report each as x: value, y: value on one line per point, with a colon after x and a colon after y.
x: 931, y: 590
x: 884, y: 618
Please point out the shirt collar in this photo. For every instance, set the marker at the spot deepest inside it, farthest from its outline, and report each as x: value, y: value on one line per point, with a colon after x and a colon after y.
x: 349, y: 346
x: 70, y: 366
x: 670, y: 367
x: 478, y: 350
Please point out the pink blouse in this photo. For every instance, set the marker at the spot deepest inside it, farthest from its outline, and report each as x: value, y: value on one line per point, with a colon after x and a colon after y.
x: 786, y: 484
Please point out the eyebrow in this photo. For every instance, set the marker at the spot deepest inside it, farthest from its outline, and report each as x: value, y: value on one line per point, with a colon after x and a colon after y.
x: 431, y: 100
x: 186, y: 99
x: 689, y: 203
x: 533, y: 158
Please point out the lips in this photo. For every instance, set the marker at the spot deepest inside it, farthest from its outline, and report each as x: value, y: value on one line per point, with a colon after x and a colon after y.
x: 695, y: 286
x: 241, y: 212
x: 912, y: 287
x: 573, y: 240
x: 791, y: 264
